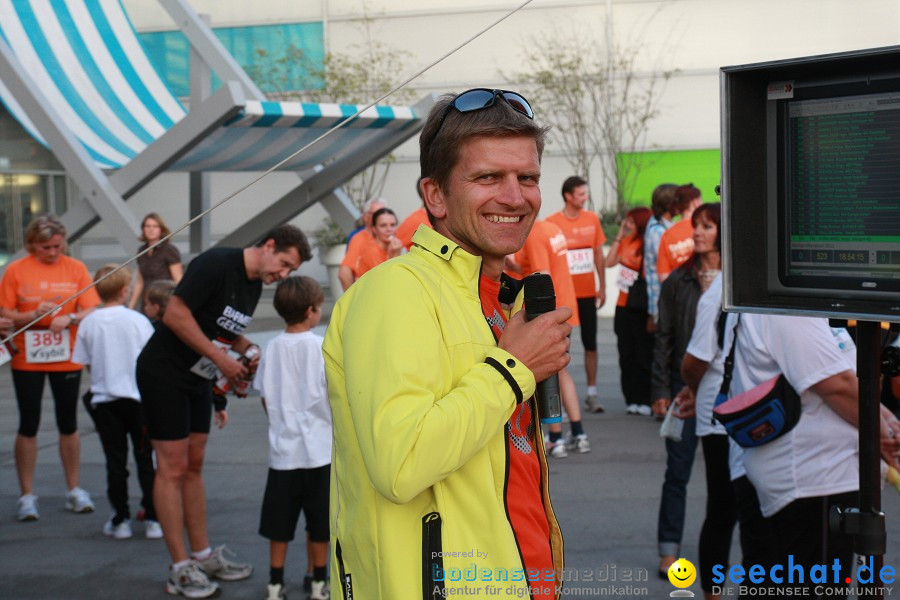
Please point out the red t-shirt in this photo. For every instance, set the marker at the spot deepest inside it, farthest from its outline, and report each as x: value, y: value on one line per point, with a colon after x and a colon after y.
x: 409, y: 225
x: 524, y: 500
x: 675, y: 246
x: 546, y: 250
x: 585, y: 239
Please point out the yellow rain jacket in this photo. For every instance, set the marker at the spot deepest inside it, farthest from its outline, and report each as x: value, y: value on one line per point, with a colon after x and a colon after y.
x: 420, y: 395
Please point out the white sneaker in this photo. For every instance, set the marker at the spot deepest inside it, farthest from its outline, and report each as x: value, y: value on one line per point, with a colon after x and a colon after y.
x: 319, y: 590
x: 558, y: 449
x: 191, y: 582
x: 220, y: 567
x: 152, y: 529
x: 592, y: 404
x: 79, y: 501
x: 644, y: 410
x: 122, y: 531
x: 632, y: 409
x: 28, y: 509
x: 581, y: 444
x: 275, y: 591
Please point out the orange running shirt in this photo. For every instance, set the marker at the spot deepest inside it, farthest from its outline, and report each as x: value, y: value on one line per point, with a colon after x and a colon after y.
x: 26, y: 283
x: 545, y: 250
x: 372, y: 256
x: 355, y: 249
x: 524, y: 500
x: 585, y: 239
x: 675, y: 246
x: 631, y: 255
x: 409, y: 225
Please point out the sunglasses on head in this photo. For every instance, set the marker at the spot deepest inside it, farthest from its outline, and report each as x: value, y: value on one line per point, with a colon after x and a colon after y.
x: 481, y: 98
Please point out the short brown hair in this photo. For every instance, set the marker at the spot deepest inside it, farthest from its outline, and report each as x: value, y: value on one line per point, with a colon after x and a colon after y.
x: 113, y: 285
x: 662, y: 199
x: 445, y: 131
x: 288, y: 236
x: 42, y: 229
x: 158, y: 293
x: 296, y: 294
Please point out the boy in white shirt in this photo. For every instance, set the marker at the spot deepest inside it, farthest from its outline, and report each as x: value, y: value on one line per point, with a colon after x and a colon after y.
x: 108, y: 343
x: 291, y: 379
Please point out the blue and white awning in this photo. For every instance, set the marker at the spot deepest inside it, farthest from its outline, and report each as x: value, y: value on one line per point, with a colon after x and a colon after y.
x: 86, y: 60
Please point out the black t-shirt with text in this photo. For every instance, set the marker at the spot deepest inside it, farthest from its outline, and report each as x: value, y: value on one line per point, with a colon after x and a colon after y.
x: 222, y: 299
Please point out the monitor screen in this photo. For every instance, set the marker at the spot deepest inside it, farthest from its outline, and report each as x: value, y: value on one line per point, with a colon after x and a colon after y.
x: 834, y: 164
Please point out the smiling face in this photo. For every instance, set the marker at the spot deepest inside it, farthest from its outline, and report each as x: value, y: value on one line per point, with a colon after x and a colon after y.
x: 385, y: 226
x: 48, y: 252
x: 274, y: 265
x: 492, y: 197
x: 682, y: 573
x: 705, y: 234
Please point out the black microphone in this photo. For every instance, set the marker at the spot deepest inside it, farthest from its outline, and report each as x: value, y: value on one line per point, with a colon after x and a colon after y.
x: 540, y: 298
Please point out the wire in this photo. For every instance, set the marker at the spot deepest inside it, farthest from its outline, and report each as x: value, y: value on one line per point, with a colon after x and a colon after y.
x: 277, y: 165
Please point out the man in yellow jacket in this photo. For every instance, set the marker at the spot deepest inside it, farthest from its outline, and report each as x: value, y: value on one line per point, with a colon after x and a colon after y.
x: 439, y: 480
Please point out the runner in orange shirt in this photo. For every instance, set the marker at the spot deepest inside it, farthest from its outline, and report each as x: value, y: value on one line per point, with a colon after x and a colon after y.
x: 545, y: 251
x: 357, y: 246
x: 585, y: 239
x: 409, y: 225
x: 677, y: 244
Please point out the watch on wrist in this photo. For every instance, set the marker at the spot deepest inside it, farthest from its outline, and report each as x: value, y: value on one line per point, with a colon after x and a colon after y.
x: 73, y: 320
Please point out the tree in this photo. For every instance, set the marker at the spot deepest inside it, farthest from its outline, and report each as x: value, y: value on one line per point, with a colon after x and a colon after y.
x: 601, y: 105
x: 363, y: 72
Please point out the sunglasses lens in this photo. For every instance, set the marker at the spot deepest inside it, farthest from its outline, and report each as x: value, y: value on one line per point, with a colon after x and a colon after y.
x: 519, y: 103
x: 473, y: 100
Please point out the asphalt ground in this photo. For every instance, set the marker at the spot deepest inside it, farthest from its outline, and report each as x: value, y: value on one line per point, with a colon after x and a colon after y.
x: 606, y: 500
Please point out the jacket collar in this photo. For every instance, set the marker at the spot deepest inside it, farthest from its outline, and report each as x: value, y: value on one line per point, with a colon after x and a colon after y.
x: 466, y: 265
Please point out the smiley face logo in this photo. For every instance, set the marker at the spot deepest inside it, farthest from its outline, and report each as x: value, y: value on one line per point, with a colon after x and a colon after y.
x: 682, y: 573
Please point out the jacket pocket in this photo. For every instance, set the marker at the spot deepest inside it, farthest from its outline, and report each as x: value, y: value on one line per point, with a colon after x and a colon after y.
x: 432, y: 560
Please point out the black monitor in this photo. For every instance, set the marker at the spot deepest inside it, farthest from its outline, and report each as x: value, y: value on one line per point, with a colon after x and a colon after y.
x: 811, y: 185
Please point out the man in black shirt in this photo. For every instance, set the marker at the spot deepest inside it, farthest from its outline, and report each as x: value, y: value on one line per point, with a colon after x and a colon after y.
x: 207, y: 315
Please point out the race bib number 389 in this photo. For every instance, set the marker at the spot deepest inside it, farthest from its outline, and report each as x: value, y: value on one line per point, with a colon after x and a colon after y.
x: 44, y: 346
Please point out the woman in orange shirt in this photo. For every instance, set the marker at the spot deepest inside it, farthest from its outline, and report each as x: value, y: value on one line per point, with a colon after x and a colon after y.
x: 33, y: 286
x: 386, y: 245
x: 630, y: 324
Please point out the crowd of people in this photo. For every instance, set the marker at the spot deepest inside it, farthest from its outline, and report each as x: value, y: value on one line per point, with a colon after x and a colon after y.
x: 438, y: 448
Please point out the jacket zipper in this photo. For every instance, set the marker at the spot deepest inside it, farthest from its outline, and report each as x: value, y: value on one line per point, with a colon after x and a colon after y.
x: 432, y: 562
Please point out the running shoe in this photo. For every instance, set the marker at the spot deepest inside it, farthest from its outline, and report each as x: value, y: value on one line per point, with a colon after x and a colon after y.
x: 79, y: 501
x: 319, y: 590
x: 28, y: 509
x: 152, y: 529
x: 221, y: 568
x: 191, y: 582
x: 122, y: 531
x: 275, y: 591
x: 592, y: 404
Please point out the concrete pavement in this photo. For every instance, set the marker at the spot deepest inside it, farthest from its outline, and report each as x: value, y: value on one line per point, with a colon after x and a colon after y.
x: 606, y: 500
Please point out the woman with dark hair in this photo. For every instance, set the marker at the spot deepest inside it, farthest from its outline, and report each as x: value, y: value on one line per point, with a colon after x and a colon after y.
x: 678, y: 299
x: 635, y: 344
x: 386, y: 244
x: 38, y: 285
x: 162, y: 262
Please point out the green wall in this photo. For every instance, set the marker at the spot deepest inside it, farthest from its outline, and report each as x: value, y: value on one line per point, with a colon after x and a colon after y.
x: 700, y: 167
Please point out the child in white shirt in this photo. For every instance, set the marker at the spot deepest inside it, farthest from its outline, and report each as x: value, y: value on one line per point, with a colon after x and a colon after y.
x: 291, y: 379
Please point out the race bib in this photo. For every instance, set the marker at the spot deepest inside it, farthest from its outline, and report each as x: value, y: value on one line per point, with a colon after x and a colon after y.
x: 44, y: 346
x: 5, y: 356
x: 626, y: 278
x: 581, y: 261
x: 206, y: 368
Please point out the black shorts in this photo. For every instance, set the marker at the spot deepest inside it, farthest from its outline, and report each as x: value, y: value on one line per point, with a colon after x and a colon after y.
x: 289, y: 491
x: 174, y: 411
x: 587, y: 315
x: 29, y: 386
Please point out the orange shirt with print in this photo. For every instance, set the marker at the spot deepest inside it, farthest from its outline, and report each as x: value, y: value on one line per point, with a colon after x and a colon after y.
x: 356, y: 247
x: 26, y: 283
x: 524, y: 499
x: 546, y: 250
x: 631, y: 255
x: 585, y: 239
x: 408, y: 227
x: 675, y: 246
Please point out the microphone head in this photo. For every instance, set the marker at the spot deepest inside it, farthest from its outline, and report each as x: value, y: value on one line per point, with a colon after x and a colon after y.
x: 538, y: 285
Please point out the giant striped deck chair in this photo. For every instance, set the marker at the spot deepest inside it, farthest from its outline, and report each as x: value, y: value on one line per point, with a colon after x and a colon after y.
x: 75, y: 75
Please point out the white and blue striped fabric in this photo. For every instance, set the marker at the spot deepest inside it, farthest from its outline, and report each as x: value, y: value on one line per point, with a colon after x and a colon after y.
x: 87, y: 61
